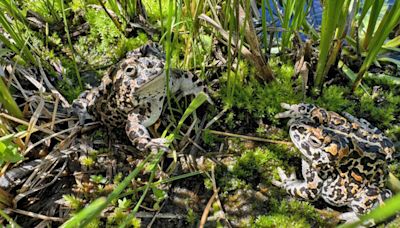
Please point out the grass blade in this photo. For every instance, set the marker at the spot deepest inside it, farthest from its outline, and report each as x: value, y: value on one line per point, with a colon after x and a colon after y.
x: 70, y: 45
x: 330, y: 18
x: 7, y: 100
x: 388, y: 22
x: 373, y: 18
x: 196, y: 102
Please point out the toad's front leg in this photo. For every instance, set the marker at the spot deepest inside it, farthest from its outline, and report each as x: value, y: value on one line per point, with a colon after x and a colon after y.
x: 308, y: 189
x: 139, y: 135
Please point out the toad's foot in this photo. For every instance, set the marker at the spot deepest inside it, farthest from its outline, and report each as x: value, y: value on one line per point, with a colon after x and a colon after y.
x: 308, y: 189
x: 295, y: 110
x: 80, y: 108
x: 158, y: 144
x: 352, y: 217
x: 285, y: 180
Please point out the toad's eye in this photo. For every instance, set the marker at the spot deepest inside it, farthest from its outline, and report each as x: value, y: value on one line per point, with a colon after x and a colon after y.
x: 131, y: 71
x: 314, y: 142
x: 302, y: 109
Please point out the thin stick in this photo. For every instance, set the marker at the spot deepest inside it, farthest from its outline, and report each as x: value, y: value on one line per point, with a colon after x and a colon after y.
x: 37, y: 128
x: 207, y: 210
x: 250, y: 137
x: 35, y: 215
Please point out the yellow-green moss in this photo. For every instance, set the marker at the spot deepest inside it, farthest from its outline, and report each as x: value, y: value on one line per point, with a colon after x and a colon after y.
x: 259, y: 99
x: 333, y: 99
x: 256, y: 165
x: 153, y: 9
x: 279, y: 220
x: 285, y: 213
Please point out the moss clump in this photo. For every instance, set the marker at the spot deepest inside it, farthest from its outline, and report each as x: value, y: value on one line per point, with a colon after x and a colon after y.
x: 259, y: 99
x: 279, y: 220
x: 103, y: 35
x: 380, y: 108
x: 290, y: 214
x: 153, y: 9
x: 256, y: 164
x: 333, y: 99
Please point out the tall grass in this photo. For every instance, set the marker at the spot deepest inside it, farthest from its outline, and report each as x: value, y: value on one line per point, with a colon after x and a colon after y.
x: 390, y: 19
x: 339, y: 25
x: 293, y: 18
x: 17, y: 43
x: 7, y: 100
x: 331, y: 21
x: 78, y: 75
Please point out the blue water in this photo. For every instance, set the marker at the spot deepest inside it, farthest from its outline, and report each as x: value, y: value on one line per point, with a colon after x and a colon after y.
x: 314, y: 17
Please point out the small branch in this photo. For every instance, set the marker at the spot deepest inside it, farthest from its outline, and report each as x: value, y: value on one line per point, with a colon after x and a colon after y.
x: 35, y: 215
x: 207, y: 210
x: 250, y: 137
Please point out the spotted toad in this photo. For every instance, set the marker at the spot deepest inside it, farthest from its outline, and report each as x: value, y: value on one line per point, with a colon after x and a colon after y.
x: 344, y: 159
x: 132, y: 93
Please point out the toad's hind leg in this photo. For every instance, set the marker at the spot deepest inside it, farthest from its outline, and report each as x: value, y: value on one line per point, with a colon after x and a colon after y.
x: 364, y: 202
x: 364, y: 124
x: 369, y: 198
x: 139, y: 135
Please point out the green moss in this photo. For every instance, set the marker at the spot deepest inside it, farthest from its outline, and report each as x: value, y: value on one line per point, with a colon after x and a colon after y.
x: 279, y: 220
x: 133, y: 43
x: 379, y: 108
x: 292, y: 213
x: 259, y: 99
x: 104, y: 36
x: 333, y: 99
x: 298, y: 209
x: 256, y: 164
x: 153, y: 9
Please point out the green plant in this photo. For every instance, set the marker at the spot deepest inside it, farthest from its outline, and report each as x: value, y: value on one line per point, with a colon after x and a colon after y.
x: 17, y: 42
x: 280, y: 220
x: 332, y: 28
x: 255, y: 164
x: 262, y: 100
x: 293, y: 18
x: 333, y: 99
x: 73, y: 201
x: 78, y: 76
x: 9, y: 151
x: 373, y: 43
x: 91, y: 211
x: 11, y: 222
x: 7, y: 100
